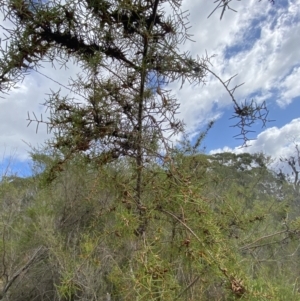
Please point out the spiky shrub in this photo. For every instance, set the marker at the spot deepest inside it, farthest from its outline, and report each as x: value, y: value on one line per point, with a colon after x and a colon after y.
x: 122, y: 113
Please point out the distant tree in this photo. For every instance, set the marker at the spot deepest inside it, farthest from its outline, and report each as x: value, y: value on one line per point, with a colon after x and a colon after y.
x: 293, y: 163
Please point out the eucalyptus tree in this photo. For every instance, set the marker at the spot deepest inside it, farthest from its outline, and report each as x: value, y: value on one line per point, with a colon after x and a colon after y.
x: 293, y: 163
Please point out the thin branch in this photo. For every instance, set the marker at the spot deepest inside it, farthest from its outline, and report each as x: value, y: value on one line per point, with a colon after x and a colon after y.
x: 224, y: 4
x: 261, y: 238
x: 40, y: 250
x: 187, y: 288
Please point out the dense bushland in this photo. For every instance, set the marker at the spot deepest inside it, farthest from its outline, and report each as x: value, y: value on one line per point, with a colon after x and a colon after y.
x: 217, y: 228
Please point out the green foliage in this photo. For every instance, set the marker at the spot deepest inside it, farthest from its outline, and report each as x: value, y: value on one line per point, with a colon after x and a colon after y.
x: 207, y: 236
x: 114, y: 212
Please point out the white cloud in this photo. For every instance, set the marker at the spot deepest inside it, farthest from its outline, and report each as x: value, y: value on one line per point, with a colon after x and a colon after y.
x: 275, y: 142
x: 224, y: 149
x: 28, y: 98
x: 290, y: 88
x: 268, y: 64
x: 265, y: 61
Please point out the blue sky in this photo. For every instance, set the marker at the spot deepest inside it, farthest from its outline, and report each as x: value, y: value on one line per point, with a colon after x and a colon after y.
x: 278, y: 118
x: 260, y: 43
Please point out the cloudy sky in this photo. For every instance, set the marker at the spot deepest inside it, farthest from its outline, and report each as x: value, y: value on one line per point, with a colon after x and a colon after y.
x: 260, y: 42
